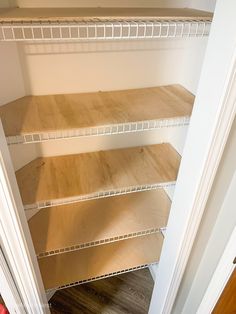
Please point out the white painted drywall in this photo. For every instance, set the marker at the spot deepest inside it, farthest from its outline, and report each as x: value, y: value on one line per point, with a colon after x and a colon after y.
x: 217, y: 224
x: 101, y: 3
x: 208, y: 5
x: 11, y: 80
x: 197, y: 4
x: 22, y: 154
x: 84, y: 67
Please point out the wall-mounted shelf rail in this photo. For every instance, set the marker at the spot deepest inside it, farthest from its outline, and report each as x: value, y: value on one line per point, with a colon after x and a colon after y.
x: 29, y: 119
x: 47, y: 24
x: 98, y: 222
x: 73, y: 268
x: 50, y: 181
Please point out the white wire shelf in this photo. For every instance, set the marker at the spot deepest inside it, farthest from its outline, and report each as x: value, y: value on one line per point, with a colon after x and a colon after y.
x: 106, y: 175
x: 100, y: 242
x: 98, y: 222
x: 105, y: 30
x: 102, y: 277
x: 111, y: 259
x: 120, y: 128
x: 97, y: 195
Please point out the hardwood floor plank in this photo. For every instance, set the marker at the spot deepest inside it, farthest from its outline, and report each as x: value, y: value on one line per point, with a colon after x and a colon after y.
x: 124, y: 294
x: 227, y: 301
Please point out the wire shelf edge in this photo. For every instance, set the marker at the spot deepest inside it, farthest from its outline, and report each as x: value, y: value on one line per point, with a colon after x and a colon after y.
x: 112, y: 129
x: 103, y: 30
x: 102, y: 277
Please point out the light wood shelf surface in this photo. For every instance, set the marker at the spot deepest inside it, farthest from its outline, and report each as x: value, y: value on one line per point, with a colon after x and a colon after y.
x: 99, y: 14
x: 73, y: 267
x: 33, y: 114
x: 93, y: 222
x: 64, y: 177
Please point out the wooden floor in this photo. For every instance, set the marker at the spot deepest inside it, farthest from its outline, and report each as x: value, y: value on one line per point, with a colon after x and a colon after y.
x: 1, y: 300
x: 127, y: 293
x: 227, y: 301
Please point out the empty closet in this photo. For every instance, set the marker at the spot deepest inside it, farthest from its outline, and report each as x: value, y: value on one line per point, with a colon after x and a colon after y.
x: 96, y: 100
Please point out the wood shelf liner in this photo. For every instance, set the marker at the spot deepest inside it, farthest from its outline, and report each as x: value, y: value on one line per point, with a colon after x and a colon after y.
x: 100, y: 14
x: 97, y: 222
x: 33, y: 114
x: 74, y: 267
x: 58, y: 180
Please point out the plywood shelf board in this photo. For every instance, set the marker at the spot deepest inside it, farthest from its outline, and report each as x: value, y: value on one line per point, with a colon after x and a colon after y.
x: 99, y: 14
x: 94, y: 222
x: 61, y: 179
x: 74, y: 267
x: 33, y: 114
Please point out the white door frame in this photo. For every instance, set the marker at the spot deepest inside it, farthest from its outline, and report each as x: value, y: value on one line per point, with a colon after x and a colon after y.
x: 213, y: 114
x: 16, y: 240
x: 211, y: 121
x: 220, y: 277
x: 8, y: 288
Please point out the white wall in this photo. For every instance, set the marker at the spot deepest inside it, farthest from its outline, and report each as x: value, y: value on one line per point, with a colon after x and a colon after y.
x: 23, y: 154
x: 217, y: 224
x: 208, y: 5
x: 197, y: 4
x: 82, y: 67
x: 11, y: 80
x: 102, y: 3
x: 190, y: 69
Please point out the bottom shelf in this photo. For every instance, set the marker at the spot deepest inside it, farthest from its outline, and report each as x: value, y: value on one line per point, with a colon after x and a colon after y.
x: 69, y: 269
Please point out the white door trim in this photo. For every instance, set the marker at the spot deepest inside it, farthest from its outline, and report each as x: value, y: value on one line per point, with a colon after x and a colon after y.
x: 8, y: 288
x: 220, y: 277
x: 15, y: 238
x: 213, y: 114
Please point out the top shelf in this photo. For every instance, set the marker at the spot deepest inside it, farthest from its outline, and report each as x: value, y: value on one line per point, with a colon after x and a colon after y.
x: 22, y: 24
x: 100, y: 14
